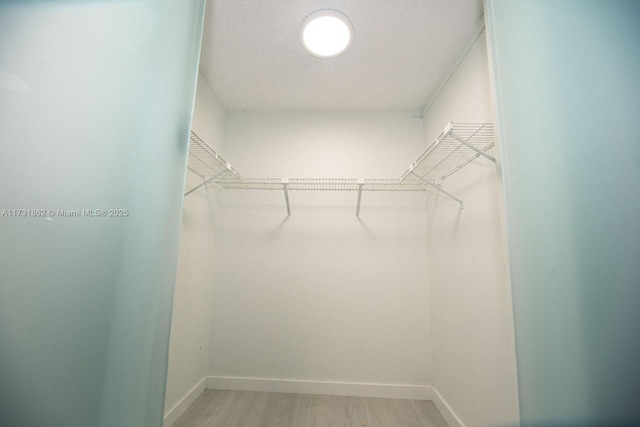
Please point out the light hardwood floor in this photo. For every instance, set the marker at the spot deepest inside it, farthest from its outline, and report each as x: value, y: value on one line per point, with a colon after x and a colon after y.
x: 216, y: 408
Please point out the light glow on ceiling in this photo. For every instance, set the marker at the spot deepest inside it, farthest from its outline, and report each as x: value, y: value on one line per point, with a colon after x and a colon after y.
x: 326, y: 33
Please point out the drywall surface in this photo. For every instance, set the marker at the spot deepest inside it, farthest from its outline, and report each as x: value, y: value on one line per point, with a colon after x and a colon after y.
x: 209, y: 116
x: 189, y: 343
x: 473, y: 353
x: 321, y: 296
x: 568, y: 99
x: 95, y: 104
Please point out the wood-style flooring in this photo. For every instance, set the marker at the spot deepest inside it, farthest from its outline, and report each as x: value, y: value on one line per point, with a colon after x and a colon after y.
x: 215, y: 408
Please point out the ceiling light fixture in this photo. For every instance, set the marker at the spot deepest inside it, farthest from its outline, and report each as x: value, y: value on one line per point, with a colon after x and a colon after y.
x: 326, y: 33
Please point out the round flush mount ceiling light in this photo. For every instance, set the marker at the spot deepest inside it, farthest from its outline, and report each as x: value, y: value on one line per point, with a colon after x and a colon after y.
x: 326, y: 33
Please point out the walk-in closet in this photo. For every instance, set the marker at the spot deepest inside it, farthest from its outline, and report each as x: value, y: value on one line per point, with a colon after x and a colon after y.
x: 341, y: 232
x: 298, y: 213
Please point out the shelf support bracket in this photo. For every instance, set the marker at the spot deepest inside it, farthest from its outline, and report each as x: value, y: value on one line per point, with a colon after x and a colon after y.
x: 204, y: 183
x: 285, y: 185
x: 480, y: 152
x: 360, y: 185
x: 439, y: 188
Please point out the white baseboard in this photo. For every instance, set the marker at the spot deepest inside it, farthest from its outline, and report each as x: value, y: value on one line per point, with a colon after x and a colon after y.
x: 445, y: 409
x: 179, y: 408
x: 390, y: 391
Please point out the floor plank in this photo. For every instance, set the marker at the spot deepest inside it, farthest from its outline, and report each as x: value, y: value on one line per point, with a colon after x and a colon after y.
x: 217, y: 408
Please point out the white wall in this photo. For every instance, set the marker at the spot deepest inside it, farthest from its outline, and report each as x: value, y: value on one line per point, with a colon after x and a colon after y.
x: 209, y: 116
x: 321, y: 296
x: 189, y: 344
x: 473, y: 354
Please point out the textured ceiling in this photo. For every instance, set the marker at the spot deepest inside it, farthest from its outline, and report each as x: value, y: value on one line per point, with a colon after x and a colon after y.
x: 401, y: 51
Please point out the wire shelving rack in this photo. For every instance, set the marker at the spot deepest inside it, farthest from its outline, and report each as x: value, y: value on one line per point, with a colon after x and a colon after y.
x: 457, y: 146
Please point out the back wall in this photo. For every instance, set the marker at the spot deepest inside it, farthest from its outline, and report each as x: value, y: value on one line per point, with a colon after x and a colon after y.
x: 321, y: 296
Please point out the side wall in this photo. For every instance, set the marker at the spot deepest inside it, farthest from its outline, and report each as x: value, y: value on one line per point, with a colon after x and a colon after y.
x: 473, y: 352
x: 569, y: 102
x: 96, y: 99
x: 321, y: 296
x: 189, y: 344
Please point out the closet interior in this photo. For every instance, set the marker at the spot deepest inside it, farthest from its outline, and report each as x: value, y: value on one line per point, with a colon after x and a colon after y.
x: 330, y: 248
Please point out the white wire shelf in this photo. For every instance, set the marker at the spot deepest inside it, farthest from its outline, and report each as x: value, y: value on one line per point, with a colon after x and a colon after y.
x: 322, y: 184
x: 204, y: 161
x: 457, y: 146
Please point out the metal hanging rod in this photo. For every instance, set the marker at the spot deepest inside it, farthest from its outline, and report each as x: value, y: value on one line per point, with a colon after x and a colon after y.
x: 457, y: 146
